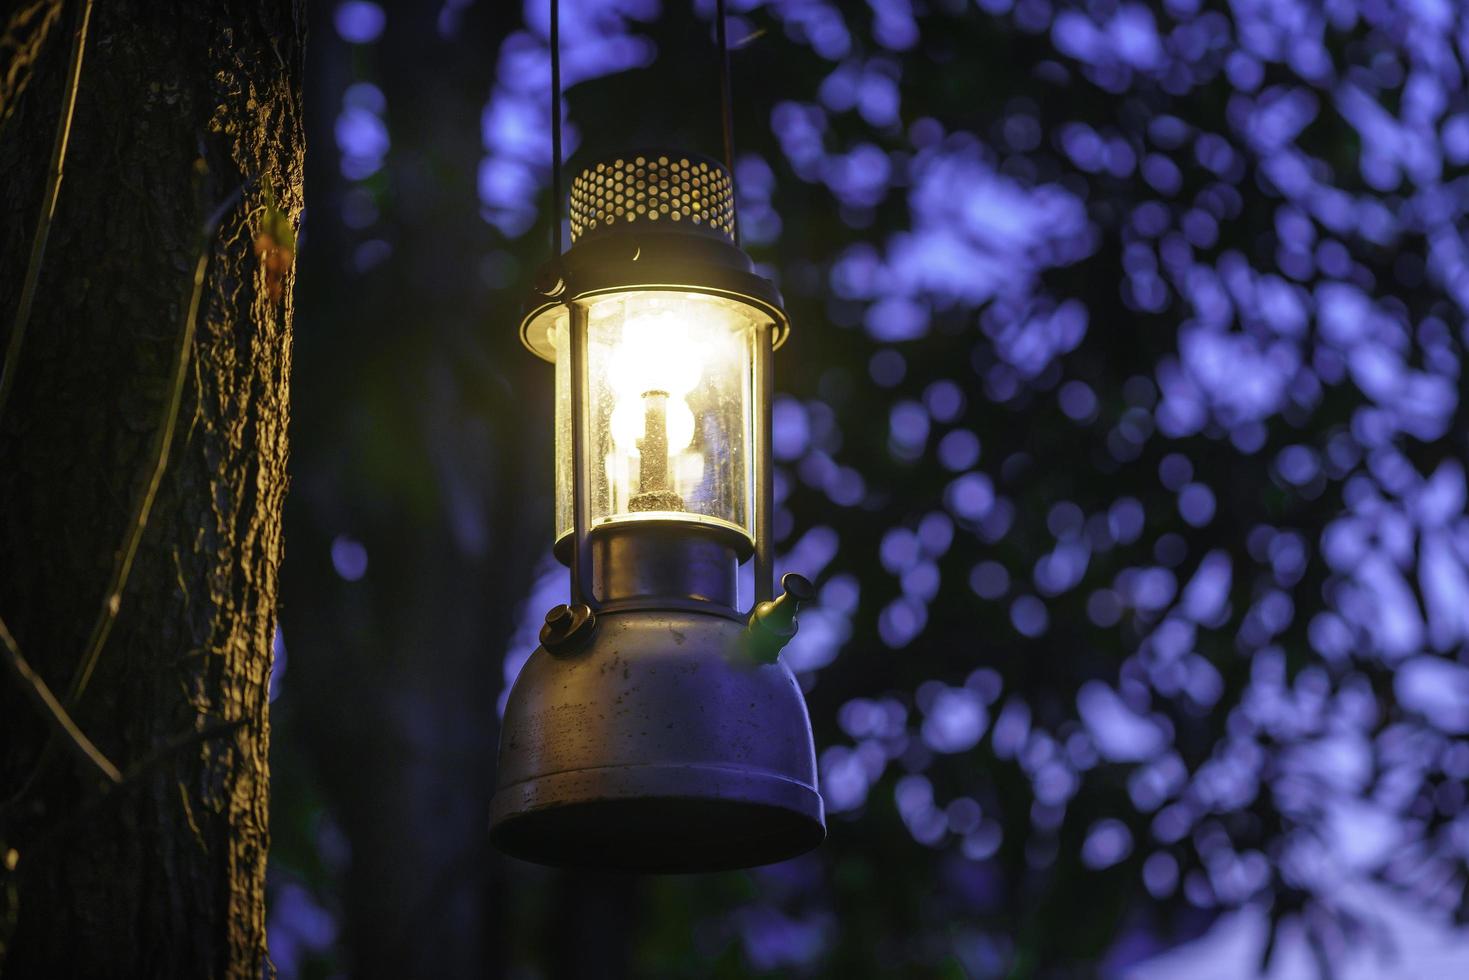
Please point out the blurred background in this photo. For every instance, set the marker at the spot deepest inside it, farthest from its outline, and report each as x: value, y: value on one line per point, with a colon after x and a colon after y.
x: 1121, y: 428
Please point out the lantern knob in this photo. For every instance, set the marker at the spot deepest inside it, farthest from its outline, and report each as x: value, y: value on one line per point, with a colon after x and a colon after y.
x: 567, y: 626
x: 773, y: 624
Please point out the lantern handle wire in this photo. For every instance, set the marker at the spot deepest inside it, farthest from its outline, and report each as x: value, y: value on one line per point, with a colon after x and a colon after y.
x: 555, y: 40
x: 726, y: 110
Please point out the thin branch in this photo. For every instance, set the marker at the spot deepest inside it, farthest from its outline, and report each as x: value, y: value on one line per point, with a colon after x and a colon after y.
x: 112, y: 597
x: 750, y: 38
x: 48, y: 209
x: 57, y: 715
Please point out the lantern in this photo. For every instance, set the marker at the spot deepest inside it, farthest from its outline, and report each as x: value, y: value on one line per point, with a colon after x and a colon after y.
x: 656, y: 729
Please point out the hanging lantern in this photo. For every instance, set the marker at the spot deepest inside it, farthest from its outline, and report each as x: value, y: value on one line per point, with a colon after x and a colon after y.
x: 656, y: 728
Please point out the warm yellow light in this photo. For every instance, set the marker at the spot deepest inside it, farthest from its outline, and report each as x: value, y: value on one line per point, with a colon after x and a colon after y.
x: 669, y: 407
x: 653, y: 356
x: 629, y: 422
x: 652, y: 369
x: 655, y: 353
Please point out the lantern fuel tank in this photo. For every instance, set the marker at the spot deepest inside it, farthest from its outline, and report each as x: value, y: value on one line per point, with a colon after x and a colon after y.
x: 656, y: 746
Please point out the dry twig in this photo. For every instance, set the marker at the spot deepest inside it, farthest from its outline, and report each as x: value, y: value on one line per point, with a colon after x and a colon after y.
x: 60, y: 720
x: 48, y: 208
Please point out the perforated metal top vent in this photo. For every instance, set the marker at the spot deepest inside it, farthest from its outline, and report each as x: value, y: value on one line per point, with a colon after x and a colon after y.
x: 653, y: 189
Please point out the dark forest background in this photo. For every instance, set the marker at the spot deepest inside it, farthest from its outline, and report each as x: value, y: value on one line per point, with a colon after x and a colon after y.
x: 1121, y: 428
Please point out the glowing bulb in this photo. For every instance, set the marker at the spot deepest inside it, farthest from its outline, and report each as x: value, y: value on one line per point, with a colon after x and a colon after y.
x: 629, y: 425
x: 680, y: 425
x: 652, y: 368
x: 654, y: 354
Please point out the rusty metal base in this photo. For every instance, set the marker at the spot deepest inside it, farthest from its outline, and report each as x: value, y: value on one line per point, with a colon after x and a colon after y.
x: 656, y: 747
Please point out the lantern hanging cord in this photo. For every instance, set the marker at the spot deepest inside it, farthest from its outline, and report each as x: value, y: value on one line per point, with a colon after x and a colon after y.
x: 726, y: 108
x: 556, y: 129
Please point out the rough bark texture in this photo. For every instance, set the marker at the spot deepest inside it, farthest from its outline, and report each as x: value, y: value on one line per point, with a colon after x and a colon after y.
x: 180, y: 106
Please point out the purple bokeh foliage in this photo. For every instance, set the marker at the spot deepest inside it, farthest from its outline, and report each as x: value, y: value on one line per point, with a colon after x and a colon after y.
x: 1351, y: 291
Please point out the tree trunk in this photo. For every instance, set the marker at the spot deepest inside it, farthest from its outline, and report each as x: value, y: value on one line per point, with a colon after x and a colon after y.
x: 185, y: 112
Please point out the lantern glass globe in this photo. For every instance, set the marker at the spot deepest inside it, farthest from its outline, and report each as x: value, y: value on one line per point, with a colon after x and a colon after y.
x: 670, y: 408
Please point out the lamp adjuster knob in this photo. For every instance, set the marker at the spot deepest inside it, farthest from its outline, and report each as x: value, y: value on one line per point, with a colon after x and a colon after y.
x: 567, y: 627
x: 773, y: 624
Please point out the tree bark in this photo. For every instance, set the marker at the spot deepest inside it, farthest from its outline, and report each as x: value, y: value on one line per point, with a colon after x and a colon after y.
x: 184, y: 111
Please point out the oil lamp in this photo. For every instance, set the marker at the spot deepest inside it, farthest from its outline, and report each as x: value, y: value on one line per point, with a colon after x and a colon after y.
x: 656, y: 728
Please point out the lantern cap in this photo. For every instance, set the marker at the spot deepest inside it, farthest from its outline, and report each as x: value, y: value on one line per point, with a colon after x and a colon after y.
x: 654, y: 189
x: 616, y: 248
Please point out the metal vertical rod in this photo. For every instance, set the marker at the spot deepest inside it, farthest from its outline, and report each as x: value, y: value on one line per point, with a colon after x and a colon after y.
x: 583, y: 589
x: 764, y: 465
x: 555, y: 129
x: 726, y: 110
